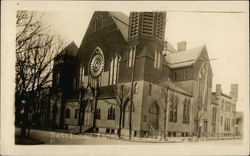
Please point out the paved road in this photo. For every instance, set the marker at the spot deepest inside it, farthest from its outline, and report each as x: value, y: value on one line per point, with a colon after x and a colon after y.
x: 63, y: 138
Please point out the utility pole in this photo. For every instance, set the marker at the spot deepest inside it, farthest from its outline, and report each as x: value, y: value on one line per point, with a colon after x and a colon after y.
x: 95, y: 103
x: 166, y: 111
x: 132, y: 91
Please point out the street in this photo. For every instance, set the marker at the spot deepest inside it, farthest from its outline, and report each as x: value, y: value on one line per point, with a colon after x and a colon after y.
x: 59, y: 138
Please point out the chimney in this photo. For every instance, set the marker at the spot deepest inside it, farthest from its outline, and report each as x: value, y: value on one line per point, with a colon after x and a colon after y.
x: 181, y: 45
x: 234, y: 90
x: 218, y: 89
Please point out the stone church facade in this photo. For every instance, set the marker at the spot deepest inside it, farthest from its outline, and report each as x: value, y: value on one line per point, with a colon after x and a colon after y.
x: 131, y: 53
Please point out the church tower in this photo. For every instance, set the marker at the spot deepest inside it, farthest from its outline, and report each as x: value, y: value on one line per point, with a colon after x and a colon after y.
x: 146, y: 35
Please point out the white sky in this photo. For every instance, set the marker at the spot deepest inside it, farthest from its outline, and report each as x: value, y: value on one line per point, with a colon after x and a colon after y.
x: 225, y: 34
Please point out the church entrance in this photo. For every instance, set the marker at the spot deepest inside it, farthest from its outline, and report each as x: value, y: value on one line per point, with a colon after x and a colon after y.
x: 88, y: 115
x: 154, y: 119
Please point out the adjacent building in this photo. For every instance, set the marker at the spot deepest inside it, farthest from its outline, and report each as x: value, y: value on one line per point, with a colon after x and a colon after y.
x: 226, y: 111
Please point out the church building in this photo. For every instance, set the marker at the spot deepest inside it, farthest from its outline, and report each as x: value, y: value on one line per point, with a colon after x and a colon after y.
x: 126, y: 78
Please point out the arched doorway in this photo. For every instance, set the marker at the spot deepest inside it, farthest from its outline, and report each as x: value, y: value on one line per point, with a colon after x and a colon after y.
x: 88, y: 114
x: 154, y: 116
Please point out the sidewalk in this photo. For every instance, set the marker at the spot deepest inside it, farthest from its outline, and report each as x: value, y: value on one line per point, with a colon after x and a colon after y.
x: 54, y: 137
x: 27, y: 141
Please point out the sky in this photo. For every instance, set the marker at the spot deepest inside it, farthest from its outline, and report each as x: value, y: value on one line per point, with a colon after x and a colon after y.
x: 224, y: 34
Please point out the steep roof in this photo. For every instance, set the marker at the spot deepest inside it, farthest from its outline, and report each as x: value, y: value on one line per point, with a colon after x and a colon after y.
x: 122, y: 22
x: 184, y: 58
x: 70, y: 50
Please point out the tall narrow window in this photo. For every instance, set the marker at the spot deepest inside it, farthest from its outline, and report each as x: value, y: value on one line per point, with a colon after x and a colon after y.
x: 176, y: 108
x: 149, y: 89
x: 171, y: 111
x: 67, y: 114
x: 111, y: 71
x: 82, y: 75
x: 135, y: 88
x: 205, y: 126
x: 131, y: 59
x: 108, y: 117
x: 158, y: 59
x: 111, y: 113
x: 186, y: 108
x: 184, y: 111
x: 98, y: 113
x: 76, y: 113
x: 115, y: 69
x: 130, y: 56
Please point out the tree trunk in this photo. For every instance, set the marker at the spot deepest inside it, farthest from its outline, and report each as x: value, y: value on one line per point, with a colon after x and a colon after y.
x: 165, y: 124
x: 120, y: 123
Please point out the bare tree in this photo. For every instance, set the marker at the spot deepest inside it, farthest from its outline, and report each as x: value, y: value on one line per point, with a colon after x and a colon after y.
x: 202, y: 97
x: 163, y: 97
x: 121, y: 93
x: 36, y: 48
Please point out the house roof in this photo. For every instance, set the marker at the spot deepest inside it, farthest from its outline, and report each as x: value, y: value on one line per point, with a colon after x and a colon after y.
x: 184, y: 58
x: 122, y: 22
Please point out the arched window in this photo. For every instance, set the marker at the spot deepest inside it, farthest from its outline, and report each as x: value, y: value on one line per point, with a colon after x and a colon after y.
x: 114, y: 69
x: 67, y: 114
x: 186, y: 111
x: 111, y: 71
x: 154, y: 116
x: 108, y: 117
x: 158, y: 59
x: 82, y: 75
x: 111, y: 113
x: 176, y: 108
x: 150, y: 90
x: 135, y: 88
x: 131, y: 55
x: 173, y: 108
x: 98, y: 113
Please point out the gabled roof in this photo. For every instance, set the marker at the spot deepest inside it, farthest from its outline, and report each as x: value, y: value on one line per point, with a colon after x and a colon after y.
x: 122, y: 22
x: 120, y: 19
x: 184, y: 58
x: 70, y: 50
